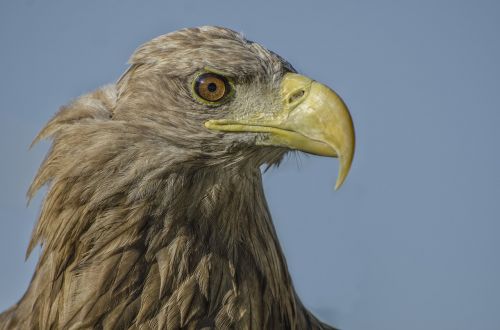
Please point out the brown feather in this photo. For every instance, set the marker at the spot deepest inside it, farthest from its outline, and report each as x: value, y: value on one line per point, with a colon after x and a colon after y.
x: 151, y: 221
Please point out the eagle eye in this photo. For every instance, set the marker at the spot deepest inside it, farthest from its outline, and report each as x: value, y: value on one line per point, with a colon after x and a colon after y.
x: 212, y: 87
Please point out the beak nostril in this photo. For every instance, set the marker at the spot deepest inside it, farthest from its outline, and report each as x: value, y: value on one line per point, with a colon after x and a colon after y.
x: 296, y: 96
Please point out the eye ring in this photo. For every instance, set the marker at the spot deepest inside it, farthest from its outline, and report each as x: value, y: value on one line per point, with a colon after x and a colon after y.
x: 212, y: 88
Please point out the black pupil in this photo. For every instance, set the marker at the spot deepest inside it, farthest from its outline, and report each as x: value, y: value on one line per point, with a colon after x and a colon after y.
x: 212, y: 87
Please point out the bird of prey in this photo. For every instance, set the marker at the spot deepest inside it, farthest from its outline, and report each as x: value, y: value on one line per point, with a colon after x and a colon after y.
x: 155, y: 215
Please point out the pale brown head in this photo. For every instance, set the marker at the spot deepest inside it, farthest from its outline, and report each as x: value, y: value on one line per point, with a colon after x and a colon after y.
x: 259, y: 107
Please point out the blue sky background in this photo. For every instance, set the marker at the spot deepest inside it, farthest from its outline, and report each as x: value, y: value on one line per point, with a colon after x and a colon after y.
x: 411, y: 241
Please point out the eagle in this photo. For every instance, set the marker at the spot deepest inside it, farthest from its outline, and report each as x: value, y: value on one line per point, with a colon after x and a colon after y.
x: 155, y: 215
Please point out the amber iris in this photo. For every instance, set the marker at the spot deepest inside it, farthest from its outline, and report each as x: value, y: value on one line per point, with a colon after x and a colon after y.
x: 211, y: 87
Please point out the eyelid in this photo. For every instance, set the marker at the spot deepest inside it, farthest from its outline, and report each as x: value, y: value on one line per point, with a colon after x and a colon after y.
x: 215, y: 71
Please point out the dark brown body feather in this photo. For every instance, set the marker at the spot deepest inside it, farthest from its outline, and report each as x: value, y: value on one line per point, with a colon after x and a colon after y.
x: 155, y: 224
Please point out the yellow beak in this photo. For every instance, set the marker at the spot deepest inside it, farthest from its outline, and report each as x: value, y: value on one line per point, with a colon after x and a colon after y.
x: 313, y: 119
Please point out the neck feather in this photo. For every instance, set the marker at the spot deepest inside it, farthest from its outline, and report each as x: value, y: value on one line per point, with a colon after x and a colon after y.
x: 151, y: 245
